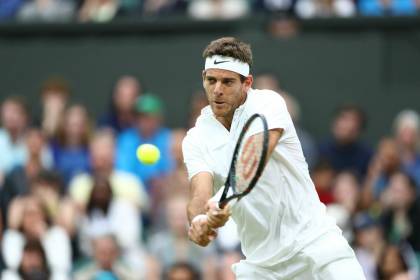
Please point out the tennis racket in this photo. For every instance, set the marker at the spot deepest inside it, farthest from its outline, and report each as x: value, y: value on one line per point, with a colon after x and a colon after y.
x: 248, y: 159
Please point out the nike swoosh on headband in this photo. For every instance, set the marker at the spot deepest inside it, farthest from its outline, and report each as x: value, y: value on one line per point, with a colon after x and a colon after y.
x: 221, y: 61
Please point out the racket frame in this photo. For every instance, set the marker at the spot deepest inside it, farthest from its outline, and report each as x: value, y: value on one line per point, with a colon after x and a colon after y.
x: 231, y: 178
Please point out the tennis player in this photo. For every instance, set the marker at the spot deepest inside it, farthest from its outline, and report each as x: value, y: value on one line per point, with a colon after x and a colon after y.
x: 283, y: 227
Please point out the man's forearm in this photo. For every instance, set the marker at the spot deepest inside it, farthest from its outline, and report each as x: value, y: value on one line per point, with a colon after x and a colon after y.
x: 200, y: 192
x: 195, y: 207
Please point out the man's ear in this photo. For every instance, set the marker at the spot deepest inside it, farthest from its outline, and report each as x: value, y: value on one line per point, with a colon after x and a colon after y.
x: 248, y: 82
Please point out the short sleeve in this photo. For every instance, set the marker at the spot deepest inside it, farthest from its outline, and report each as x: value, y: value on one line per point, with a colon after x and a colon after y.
x: 194, y: 157
x: 273, y: 107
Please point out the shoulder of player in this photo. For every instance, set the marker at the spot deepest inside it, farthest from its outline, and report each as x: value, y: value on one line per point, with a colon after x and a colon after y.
x: 265, y: 95
x: 265, y: 99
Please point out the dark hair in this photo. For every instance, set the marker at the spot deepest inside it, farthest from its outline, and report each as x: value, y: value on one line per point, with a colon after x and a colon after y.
x: 56, y: 85
x: 61, y: 137
x: 351, y: 108
x: 35, y: 246
x: 184, y: 266
x: 380, y: 268
x: 99, y: 183
x: 50, y: 178
x: 229, y: 46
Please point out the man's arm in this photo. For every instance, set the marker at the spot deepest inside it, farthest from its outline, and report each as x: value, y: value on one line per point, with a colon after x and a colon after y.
x: 201, y: 187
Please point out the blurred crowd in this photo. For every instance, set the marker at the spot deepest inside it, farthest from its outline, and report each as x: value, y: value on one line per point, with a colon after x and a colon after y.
x: 106, y: 10
x: 75, y: 202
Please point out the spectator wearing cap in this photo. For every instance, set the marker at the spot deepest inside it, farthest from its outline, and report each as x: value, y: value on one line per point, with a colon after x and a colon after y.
x: 369, y: 243
x: 148, y: 129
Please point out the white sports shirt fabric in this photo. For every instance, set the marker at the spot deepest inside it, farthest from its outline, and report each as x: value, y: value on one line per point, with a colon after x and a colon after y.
x: 283, y: 213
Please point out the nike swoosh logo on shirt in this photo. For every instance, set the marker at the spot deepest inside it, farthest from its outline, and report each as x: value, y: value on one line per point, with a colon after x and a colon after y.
x: 221, y: 61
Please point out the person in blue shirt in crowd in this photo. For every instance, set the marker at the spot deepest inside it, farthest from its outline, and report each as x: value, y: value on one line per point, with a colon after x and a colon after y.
x: 344, y: 150
x: 148, y: 129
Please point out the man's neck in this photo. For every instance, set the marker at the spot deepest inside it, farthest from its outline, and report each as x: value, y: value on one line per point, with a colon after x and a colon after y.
x: 225, y: 121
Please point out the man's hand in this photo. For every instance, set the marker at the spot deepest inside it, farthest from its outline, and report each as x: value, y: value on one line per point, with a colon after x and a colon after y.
x: 200, y: 232
x: 217, y: 217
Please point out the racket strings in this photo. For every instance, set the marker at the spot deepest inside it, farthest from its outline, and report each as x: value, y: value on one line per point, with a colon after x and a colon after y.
x: 248, y: 161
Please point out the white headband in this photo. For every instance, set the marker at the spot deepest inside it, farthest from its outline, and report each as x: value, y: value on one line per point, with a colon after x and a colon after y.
x: 227, y: 63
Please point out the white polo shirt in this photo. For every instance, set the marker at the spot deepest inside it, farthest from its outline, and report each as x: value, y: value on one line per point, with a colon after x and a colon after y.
x: 283, y: 213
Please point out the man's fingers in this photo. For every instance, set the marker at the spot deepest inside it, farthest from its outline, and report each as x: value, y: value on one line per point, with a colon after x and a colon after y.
x: 202, y: 239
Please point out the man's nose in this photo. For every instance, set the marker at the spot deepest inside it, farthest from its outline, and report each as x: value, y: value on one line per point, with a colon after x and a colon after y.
x: 218, y: 89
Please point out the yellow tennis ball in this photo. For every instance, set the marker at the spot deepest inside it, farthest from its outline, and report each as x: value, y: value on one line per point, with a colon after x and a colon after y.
x: 148, y: 154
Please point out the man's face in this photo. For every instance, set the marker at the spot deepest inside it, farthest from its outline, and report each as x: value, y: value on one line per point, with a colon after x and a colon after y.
x: 225, y: 91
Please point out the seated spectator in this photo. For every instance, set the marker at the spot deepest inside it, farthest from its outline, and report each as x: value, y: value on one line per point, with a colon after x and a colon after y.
x: 70, y: 148
x: 105, y: 264
x: 124, y: 185
x: 333, y: 8
x: 393, y: 265
x: 160, y: 7
x: 383, y: 165
x: 389, y: 7
x: 55, y: 93
x: 323, y: 177
x: 17, y: 182
x: 121, y: 114
x: 369, y: 243
x: 182, y: 271
x: 14, y: 121
x: 275, y: 6
x: 346, y: 195
x: 218, y: 9
x: 172, y: 245
x: 401, y: 216
x: 344, y: 149
x: 198, y: 102
x: 407, y: 132
x: 106, y: 213
x: 47, y: 10
x: 33, y: 264
x: 28, y: 221
x: 175, y: 183
x: 98, y: 11
x: 346, y: 191
x: 148, y: 129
